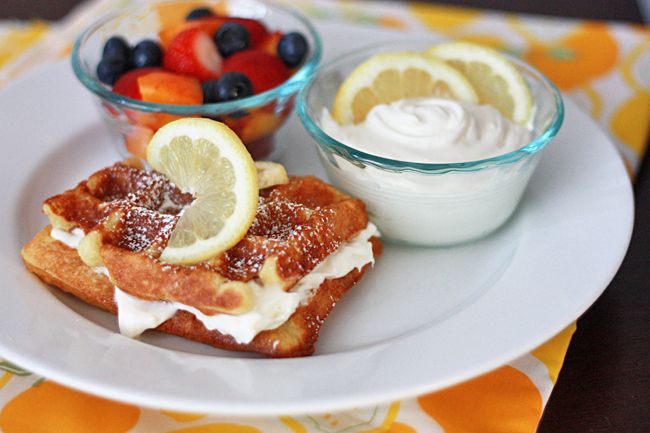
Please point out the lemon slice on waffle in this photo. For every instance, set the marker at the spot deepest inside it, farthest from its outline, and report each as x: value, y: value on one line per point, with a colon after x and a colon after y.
x: 388, y: 77
x: 495, y: 78
x: 270, y: 174
x: 205, y: 158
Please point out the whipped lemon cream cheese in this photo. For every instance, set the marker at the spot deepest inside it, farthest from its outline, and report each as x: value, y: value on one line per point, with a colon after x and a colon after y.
x: 273, y: 306
x: 431, y: 130
x: 433, y: 208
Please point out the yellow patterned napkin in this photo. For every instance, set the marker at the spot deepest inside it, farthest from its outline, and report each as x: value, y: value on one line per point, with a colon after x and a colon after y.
x: 604, y: 67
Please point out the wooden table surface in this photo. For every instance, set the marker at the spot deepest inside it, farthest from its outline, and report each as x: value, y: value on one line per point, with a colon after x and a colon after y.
x: 605, y: 383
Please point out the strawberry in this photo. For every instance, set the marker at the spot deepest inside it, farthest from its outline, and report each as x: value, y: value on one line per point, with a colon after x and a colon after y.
x: 127, y: 84
x: 270, y: 44
x: 263, y: 69
x: 192, y: 52
x: 256, y: 29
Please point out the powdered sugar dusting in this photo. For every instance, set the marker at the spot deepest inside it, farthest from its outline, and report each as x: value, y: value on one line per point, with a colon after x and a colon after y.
x: 143, y: 227
x: 293, y: 227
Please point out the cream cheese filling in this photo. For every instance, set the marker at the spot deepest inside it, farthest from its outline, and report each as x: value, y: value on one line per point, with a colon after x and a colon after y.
x: 273, y: 305
x: 71, y: 238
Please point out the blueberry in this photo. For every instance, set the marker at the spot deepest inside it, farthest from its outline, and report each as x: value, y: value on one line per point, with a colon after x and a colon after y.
x: 210, y: 93
x: 198, y: 13
x: 231, y: 37
x: 146, y: 54
x: 117, y: 48
x: 233, y: 85
x: 292, y: 48
x: 230, y: 86
x: 109, y: 69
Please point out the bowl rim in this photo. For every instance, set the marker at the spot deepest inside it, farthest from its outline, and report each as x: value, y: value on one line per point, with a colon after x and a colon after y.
x: 353, y: 155
x: 284, y: 90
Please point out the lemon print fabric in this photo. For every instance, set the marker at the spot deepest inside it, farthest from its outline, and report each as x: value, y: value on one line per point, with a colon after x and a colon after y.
x: 504, y: 400
x: 572, y: 60
x: 371, y: 419
x: 17, y: 40
x: 5, y: 377
x: 442, y: 17
x: 219, y: 428
x: 629, y: 122
x: 183, y: 416
x: 547, y: 352
x: 48, y: 407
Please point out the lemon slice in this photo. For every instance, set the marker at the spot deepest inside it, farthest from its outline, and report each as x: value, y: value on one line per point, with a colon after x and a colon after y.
x: 205, y: 158
x: 388, y: 77
x: 496, y: 80
x: 270, y: 174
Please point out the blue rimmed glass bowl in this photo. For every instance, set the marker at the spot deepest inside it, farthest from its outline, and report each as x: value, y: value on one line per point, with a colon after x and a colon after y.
x: 422, y: 203
x: 255, y: 119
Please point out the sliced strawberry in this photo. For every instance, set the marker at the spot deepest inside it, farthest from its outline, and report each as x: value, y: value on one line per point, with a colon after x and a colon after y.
x: 263, y: 69
x: 127, y: 84
x: 168, y: 88
x: 192, y: 52
x: 270, y: 44
x: 256, y: 29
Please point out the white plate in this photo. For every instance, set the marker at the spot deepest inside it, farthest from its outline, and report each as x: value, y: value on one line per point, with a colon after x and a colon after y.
x: 421, y: 320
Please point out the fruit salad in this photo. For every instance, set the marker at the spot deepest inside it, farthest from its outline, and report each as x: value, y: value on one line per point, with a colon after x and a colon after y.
x: 201, y: 56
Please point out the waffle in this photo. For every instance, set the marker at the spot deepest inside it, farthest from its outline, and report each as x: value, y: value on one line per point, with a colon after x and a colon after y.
x: 127, y: 215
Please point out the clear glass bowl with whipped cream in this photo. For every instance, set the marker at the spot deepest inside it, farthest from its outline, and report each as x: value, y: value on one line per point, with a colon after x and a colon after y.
x: 432, y: 171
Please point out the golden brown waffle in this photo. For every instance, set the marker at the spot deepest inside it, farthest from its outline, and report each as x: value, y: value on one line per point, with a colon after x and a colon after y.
x: 128, y: 214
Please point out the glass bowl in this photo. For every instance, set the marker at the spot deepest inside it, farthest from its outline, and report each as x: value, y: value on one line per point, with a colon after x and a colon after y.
x: 255, y: 119
x: 423, y: 203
